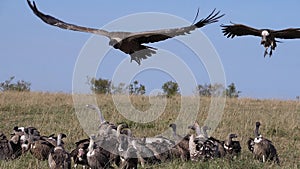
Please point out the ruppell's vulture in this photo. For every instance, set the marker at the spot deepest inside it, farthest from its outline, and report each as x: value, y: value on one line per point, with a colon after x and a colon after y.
x: 268, y: 36
x: 131, y: 43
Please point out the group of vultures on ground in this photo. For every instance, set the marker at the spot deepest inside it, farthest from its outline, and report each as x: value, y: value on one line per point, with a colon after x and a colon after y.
x: 116, y: 146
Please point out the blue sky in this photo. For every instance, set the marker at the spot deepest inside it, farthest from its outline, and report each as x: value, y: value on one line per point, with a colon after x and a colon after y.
x: 46, y: 56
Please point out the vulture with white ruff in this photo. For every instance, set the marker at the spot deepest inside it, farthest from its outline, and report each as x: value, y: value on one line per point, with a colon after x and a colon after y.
x: 96, y: 156
x: 131, y: 43
x: 268, y: 35
x: 79, y: 154
x: 262, y: 148
x: 59, y: 158
x: 203, y: 147
x: 232, y: 147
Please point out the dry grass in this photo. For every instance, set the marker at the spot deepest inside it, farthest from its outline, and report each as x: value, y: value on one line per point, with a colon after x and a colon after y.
x: 54, y: 113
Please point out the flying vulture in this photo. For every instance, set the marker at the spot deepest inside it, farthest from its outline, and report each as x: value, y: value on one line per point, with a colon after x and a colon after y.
x: 131, y: 43
x: 268, y: 36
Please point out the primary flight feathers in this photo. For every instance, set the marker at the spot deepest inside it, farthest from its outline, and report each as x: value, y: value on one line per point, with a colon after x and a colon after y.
x: 130, y: 42
x: 268, y: 36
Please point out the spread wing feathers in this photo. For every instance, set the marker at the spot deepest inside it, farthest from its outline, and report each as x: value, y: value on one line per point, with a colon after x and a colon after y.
x: 230, y: 31
x: 163, y: 34
x: 290, y: 33
x: 58, y: 23
x: 143, y: 53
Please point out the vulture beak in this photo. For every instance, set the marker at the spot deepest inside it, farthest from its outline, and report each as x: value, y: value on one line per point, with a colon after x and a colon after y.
x: 114, y: 43
x: 263, y: 41
x: 191, y: 127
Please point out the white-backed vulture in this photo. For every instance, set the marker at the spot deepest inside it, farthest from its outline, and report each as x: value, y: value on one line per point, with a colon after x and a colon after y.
x: 10, y: 149
x: 59, y: 158
x: 203, y: 147
x: 96, y: 157
x: 181, y: 143
x: 129, y: 150
x: 79, y: 154
x: 268, y: 36
x: 262, y: 148
x: 131, y: 43
x: 38, y: 145
x: 231, y: 147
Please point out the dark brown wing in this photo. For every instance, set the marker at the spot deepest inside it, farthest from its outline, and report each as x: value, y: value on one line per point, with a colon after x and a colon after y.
x: 58, y: 23
x: 82, y: 141
x: 230, y: 31
x: 163, y: 34
x: 290, y: 33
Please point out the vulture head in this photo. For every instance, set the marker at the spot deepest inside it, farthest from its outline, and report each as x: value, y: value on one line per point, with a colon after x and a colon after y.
x: 231, y: 136
x: 173, y: 126
x: 256, y: 131
x: 264, y: 35
x: 257, y: 124
x: 116, y: 44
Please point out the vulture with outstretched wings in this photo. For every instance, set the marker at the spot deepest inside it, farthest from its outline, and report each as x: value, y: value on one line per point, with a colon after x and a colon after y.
x: 131, y: 43
x: 268, y: 36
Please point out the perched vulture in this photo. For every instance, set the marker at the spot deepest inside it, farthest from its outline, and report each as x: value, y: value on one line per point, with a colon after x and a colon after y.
x: 131, y: 43
x: 10, y: 149
x: 96, y: 156
x: 79, y: 154
x: 262, y: 148
x: 202, y: 147
x: 59, y: 158
x: 268, y: 36
x: 231, y: 147
x: 181, y: 143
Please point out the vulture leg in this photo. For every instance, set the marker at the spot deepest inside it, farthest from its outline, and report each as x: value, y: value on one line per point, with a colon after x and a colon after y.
x: 266, y: 51
x: 271, y: 51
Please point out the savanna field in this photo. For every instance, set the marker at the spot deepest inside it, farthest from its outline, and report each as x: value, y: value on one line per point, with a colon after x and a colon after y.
x: 54, y: 113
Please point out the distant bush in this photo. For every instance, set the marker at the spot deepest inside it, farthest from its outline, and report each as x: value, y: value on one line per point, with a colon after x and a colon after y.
x: 100, y: 86
x: 210, y: 89
x: 217, y: 90
x: 137, y: 89
x: 20, y: 85
x: 232, y: 92
x: 121, y: 88
x: 170, y: 88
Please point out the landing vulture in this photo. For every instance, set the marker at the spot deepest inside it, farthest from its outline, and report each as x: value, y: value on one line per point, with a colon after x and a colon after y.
x: 268, y: 36
x: 131, y: 43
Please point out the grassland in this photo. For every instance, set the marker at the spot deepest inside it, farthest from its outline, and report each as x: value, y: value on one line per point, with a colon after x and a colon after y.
x: 54, y: 113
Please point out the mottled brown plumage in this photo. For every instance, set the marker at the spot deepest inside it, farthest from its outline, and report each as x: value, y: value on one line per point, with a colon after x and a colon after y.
x: 41, y: 149
x: 10, y: 149
x: 181, y: 143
